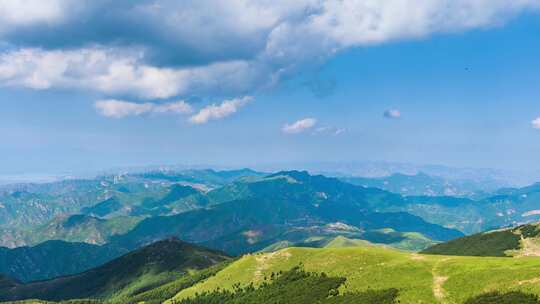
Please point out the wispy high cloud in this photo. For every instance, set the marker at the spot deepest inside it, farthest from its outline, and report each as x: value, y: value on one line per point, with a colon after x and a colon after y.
x: 158, y: 49
x: 118, y: 108
x: 219, y: 111
x: 329, y: 131
x: 299, y: 126
x: 536, y: 123
x: 392, y: 114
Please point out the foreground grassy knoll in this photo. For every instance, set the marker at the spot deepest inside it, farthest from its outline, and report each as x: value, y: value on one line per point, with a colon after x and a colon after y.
x: 294, y: 286
x: 418, y: 278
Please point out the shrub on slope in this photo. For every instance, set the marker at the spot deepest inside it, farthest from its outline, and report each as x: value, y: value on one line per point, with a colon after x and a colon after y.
x: 482, y: 244
x: 513, y: 297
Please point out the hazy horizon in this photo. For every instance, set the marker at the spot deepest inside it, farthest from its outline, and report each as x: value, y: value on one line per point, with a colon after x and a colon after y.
x: 369, y: 169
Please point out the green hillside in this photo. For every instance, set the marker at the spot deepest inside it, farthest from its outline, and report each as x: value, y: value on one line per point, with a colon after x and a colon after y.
x: 409, y: 241
x: 417, y: 278
x: 343, y: 242
x: 294, y: 286
x: 523, y: 240
x: 133, y: 273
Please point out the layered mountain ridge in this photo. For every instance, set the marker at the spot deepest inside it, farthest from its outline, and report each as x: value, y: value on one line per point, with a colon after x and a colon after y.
x: 135, y: 272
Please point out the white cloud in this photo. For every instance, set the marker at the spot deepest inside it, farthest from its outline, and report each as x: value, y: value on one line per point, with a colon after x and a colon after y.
x: 536, y: 123
x: 179, y: 107
x: 118, y: 108
x: 299, y: 126
x: 329, y: 131
x: 392, y: 114
x: 25, y: 12
x: 251, y: 45
x: 365, y: 22
x: 115, y: 72
x: 214, y: 112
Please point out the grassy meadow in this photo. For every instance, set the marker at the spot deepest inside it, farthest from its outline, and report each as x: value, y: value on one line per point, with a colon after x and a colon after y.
x: 419, y: 278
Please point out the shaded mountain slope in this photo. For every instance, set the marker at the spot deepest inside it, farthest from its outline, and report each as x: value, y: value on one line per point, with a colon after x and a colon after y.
x: 140, y: 270
x: 7, y: 282
x: 54, y: 258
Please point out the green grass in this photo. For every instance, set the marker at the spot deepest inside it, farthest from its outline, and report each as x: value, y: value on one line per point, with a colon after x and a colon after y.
x: 294, y: 286
x: 417, y: 277
x: 409, y: 241
x: 343, y: 242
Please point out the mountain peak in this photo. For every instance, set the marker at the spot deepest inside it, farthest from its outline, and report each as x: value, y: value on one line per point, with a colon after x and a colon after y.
x: 295, y: 174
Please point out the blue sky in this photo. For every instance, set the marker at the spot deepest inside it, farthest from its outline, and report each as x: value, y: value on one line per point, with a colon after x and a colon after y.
x: 231, y: 90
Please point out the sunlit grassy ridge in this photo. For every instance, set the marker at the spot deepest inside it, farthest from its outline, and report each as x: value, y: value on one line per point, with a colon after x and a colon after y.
x: 419, y: 278
x: 518, y: 241
x: 409, y: 241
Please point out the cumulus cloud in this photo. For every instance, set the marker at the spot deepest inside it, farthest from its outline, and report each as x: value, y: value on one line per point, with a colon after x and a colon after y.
x: 392, y: 114
x: 299, y: 126
x: 182, y: 48
x: 219, y: 111
x: 119, y: 109
x: 116, y: 72
x: 536, y: 123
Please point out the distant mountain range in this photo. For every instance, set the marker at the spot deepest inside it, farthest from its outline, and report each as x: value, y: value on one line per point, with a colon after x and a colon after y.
x: 27, y: 209
x: 422, y: 184
x: 250, y: 214
x: 242, y: 211
x: 502, y: 208
x: 489, y: 179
